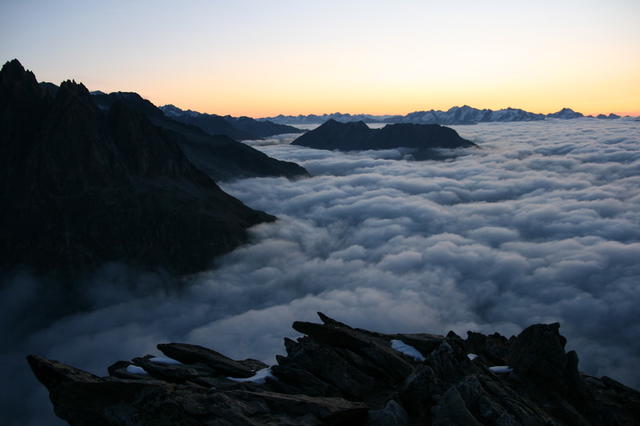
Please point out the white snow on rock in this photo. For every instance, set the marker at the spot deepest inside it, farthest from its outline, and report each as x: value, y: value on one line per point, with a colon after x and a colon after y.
x: 134, y: 369
x: 259, y: 378
x: 163, y: 360
x: 501, y: 369
x: 409, y: 350
x: 472, y: 356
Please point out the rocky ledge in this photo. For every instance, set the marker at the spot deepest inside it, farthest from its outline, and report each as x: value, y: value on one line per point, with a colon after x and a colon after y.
x: 337, y: 374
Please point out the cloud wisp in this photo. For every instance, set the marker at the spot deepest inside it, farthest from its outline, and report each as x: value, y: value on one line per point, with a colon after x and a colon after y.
x: 542, y: 224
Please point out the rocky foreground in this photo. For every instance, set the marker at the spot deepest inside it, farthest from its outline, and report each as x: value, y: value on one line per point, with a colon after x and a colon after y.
x: 339, y: 375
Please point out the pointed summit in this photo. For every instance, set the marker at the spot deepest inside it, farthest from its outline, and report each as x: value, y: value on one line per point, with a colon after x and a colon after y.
x: 16, y: 82
x: 565, y: 113
x: 13, y: 66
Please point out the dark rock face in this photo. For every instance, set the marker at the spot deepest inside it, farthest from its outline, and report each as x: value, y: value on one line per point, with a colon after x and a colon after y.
x: 81, y: 186
x: 219, y: 156
x: 239, y: 128
x: 423, y: 138
x: 336, y: 374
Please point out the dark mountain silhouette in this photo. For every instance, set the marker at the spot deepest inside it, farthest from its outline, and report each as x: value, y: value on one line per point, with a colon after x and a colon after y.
x: 240, y: 128
x: 565, y: 114
x: 611, y: 116
x: 262, y: 129
x: 210, y: 123
x: 81, y: 185
x: 338, y: 375
x: 220, y: 156
x: 357, y: 135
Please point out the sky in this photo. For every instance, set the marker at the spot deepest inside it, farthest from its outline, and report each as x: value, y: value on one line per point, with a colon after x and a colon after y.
x: 262, y: 58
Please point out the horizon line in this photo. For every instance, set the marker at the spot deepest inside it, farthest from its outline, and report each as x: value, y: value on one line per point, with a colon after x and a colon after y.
x: 272, y: 115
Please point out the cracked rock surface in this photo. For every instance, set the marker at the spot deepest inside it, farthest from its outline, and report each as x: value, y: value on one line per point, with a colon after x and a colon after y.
x: 339, y: 375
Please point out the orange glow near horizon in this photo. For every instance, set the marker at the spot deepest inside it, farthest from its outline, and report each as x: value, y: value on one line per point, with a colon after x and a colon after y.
x: 261, y: 59
x: 591, y: 94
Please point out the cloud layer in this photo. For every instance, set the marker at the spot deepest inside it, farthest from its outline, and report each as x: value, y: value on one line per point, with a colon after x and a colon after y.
x: 542, y: 224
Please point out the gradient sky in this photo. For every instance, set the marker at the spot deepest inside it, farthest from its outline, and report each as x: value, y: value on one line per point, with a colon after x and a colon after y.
x: 262, y: 58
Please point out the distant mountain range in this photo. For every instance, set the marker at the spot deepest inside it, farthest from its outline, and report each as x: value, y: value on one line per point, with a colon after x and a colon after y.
x: 456, y: 115
x: 239, y: 128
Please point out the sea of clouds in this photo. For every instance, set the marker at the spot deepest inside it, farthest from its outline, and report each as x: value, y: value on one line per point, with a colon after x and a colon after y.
x: 541, y: 224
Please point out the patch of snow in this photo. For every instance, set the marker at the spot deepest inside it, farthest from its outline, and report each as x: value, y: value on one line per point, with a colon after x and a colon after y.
x: 134, y: 369
x: 501, y: 369
x: 164, y: 360
x: 472, y: 356
x: 408, y: 350
x: 259, y: 378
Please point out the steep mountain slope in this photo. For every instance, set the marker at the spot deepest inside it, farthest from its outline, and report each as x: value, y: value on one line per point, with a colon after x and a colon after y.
x: 221, y: 157
x: 239, y: 128
x: 210, y: 123
x: 81, y: 186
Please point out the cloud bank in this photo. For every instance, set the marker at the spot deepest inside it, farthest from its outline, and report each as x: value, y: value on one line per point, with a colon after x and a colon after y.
x: 542, y: 224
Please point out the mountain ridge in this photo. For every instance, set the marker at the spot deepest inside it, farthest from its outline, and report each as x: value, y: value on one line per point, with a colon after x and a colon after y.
x: 240, y: 128
x: 82, y: 186
x: 423, y: 139
x: 454, y: 115
x: 220, y: 156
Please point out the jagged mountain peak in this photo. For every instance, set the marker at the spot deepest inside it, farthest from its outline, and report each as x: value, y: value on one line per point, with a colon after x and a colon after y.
x: 13, y: 69
x: 84, y: 185
x: 69, y: 88
x: 16, y: 81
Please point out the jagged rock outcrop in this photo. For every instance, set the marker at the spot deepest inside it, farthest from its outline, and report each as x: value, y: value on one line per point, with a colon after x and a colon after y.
x: 424, y: 139
x: 80, y: 186
x: 337, y: 374
x: 239, y: 128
